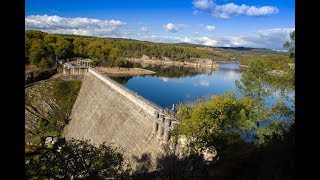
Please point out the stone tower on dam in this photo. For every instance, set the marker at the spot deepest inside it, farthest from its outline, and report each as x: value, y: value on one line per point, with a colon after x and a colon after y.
x: 105, y: 111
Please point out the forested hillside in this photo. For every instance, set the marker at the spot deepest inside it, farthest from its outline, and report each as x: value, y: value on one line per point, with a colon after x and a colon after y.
x: 43, y: 48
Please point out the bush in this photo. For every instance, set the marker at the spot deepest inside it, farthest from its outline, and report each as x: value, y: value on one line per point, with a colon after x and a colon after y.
x: 122, y: 62
x: 77, y: 159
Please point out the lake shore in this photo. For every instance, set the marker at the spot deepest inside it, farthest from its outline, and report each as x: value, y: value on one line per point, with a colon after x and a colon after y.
x: 121, y: 72
x: 199, y: 62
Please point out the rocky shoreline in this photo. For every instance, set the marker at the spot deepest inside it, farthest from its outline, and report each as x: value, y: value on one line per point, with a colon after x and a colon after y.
x: 196, y: 62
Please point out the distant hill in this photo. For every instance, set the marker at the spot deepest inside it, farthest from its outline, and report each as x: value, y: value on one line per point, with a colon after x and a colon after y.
x: 251, y: 49
x: 42, y: 48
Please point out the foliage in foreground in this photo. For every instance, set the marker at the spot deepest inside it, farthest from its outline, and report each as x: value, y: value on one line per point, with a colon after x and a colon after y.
x: 224, y: 122
x: 206, y: 124
x: 75, y: 159
x: 274, y: 160
x: 290, y: 45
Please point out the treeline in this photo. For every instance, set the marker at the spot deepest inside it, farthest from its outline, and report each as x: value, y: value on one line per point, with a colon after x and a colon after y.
x: 275, y: 62
x: 43, y: 48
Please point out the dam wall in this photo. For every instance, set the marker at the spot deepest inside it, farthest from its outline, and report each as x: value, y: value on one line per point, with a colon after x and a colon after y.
x: 146, y: 105
x: 105, y: 111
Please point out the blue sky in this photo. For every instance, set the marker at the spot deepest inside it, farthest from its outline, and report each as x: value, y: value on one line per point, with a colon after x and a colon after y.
x: 254, y: 23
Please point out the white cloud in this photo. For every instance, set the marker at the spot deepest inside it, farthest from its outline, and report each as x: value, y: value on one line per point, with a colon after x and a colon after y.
x: 203, y: 82
x: 204, y: 5
x: 267, y: 38
x: 175, y: 80
x: 57, y: 22
x: 207, y: 41
x: 230, y: 9
x: 195, y: 12
x: 196, y: 34
x: 187, y: 40
x: 210, y: 28
x: 78, y: 25
x: 170, y: 27
x: 144, y: 30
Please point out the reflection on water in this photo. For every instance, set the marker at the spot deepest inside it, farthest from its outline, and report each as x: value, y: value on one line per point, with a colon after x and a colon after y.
x: 173, y: 85
x: 122, y: 80
x: 234, y: 65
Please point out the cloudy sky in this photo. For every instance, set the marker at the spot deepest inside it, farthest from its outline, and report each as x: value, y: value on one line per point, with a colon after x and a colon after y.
x: 230, y: 23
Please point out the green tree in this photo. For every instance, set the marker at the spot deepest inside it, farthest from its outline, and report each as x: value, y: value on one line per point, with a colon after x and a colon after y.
x: 37, y: 51
x: 205, y: 124
x: 114, y: 53
x: 63, y: 48
x: 75, y: 159
x: 290, y: 45
x: 34, y: 34
x: 43, y: 63
x: 97, y: 51
x: 80, y: 47
x: 258, y: 84
x: 121, y: 62
x: 253, y: 84
x: 49, y: 41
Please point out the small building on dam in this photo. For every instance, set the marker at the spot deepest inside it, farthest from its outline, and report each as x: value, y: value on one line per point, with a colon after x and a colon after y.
x: 80, y: 68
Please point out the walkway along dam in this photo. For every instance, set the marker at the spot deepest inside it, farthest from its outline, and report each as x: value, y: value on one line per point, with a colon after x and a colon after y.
x: 105, y: 111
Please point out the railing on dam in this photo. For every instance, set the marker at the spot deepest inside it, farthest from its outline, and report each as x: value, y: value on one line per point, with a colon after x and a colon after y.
x: 129, y: 91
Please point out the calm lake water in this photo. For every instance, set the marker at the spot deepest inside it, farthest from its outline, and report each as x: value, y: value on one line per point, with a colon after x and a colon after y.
x: 173, y: 85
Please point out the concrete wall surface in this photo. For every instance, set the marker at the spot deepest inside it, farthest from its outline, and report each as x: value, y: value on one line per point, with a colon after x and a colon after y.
x: 103, y: 114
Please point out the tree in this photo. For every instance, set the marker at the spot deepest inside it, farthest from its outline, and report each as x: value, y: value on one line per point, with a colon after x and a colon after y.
x: 258, y: 84
x: 290, y: 74
x: 97, y: 51
x: 49, y: 41
x: 253, y: 84
x: 290, y: 45
x: 121, y: 62
x: 80, y: 47
x: 37, y: 51
x: 114, y: 53
x: 34, y: 34
x: 43, y: 63
x: 63, y: 48
x: 75, y: 159
x: 223, y: 116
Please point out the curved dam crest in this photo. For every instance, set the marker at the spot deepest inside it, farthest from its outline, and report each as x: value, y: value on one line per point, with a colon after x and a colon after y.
x: 108, y: 112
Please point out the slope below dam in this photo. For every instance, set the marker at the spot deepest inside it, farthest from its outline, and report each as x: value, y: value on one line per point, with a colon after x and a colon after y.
x: 105, y: 111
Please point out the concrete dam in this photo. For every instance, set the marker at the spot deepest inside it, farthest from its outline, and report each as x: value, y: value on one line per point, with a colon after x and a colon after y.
x: 105, y: 111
